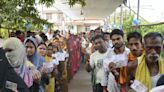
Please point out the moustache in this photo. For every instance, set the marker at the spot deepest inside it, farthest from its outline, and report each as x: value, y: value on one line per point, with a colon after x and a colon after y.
x: 134, y: 50
x: 154, y: 56
x: 114, y: 45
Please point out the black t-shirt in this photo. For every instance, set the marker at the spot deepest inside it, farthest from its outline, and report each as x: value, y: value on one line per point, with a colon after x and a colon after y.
x: 7, y: 73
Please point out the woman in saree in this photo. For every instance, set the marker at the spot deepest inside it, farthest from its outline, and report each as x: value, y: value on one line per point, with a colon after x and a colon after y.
x: 33, y: 56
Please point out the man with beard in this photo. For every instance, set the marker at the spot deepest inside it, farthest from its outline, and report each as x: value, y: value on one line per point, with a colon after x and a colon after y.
x: 96, y: 63
x: 136, y: 49
x: 119, y: 58
x: 151, y: 65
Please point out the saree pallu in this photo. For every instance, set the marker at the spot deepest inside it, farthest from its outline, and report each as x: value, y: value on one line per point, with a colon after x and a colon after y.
x: 72, y: 54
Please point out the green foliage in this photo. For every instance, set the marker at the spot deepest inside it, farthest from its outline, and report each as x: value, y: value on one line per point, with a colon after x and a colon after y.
x: 127, y: 27
x: 15, y: 14
x: 73, y: 2
x: 4, y: 33
x: 48, y: 3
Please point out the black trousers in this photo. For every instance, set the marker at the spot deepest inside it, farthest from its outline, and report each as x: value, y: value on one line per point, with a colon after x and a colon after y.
x: 98, y: 88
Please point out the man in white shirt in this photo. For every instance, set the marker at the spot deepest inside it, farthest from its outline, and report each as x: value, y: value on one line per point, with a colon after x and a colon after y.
x: 49, y: 34
x: 96, y: 63
x: 118, y: 59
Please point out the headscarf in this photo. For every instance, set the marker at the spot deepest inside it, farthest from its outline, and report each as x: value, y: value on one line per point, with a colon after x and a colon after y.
x: 32, y: 39
x: 36, y: 59
x: 143, y: 74
x: 17, y: 56
x: 38, y: 39
x: 17, y: 59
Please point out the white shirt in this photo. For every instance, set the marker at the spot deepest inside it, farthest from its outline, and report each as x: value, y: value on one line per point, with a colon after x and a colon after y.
x: 154, y: 80
x: 84, y: 43
x: 97, y: 59
x: 88, y: 49
x: 49, y: 36
x: 158, y: 89
x: 109, y: 44
x: 120, y: 60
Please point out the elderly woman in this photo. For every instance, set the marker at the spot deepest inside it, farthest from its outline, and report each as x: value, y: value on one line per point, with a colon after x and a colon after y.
x: 16, y: 55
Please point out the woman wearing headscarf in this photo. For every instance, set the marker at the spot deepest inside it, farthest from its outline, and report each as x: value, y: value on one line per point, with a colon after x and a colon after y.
x: 37, y: 60
x: 16, y: 55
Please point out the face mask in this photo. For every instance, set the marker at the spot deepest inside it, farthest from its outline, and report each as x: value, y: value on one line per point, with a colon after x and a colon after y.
x: 17, y: 54
x: 13, y: 59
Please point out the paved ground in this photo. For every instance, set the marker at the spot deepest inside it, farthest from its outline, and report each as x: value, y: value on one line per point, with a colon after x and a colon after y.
x: 81, y: 82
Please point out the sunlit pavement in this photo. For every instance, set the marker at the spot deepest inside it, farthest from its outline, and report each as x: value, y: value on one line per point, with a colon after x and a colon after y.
x: 81, y: 81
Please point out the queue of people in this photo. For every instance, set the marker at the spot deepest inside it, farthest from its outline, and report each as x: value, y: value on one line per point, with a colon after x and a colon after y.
x: 117, y: 68
x: 36, y: 64
x: 47, y: 62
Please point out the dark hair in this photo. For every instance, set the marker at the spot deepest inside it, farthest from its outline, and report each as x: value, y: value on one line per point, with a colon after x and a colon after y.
x: 12, y: 34
x: 42, y: 43
x: 43, y: 36
x: 135, y: 34
x: 92, y: 30
x: 106, y: 33
x: 32, y: 43
x: 18, y: 32
x: 153, y: 35
x: 116, y: 31
x: 28, y: 33
x: 97, y: 37
x: 99, y: 28
x: 50, y: 44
